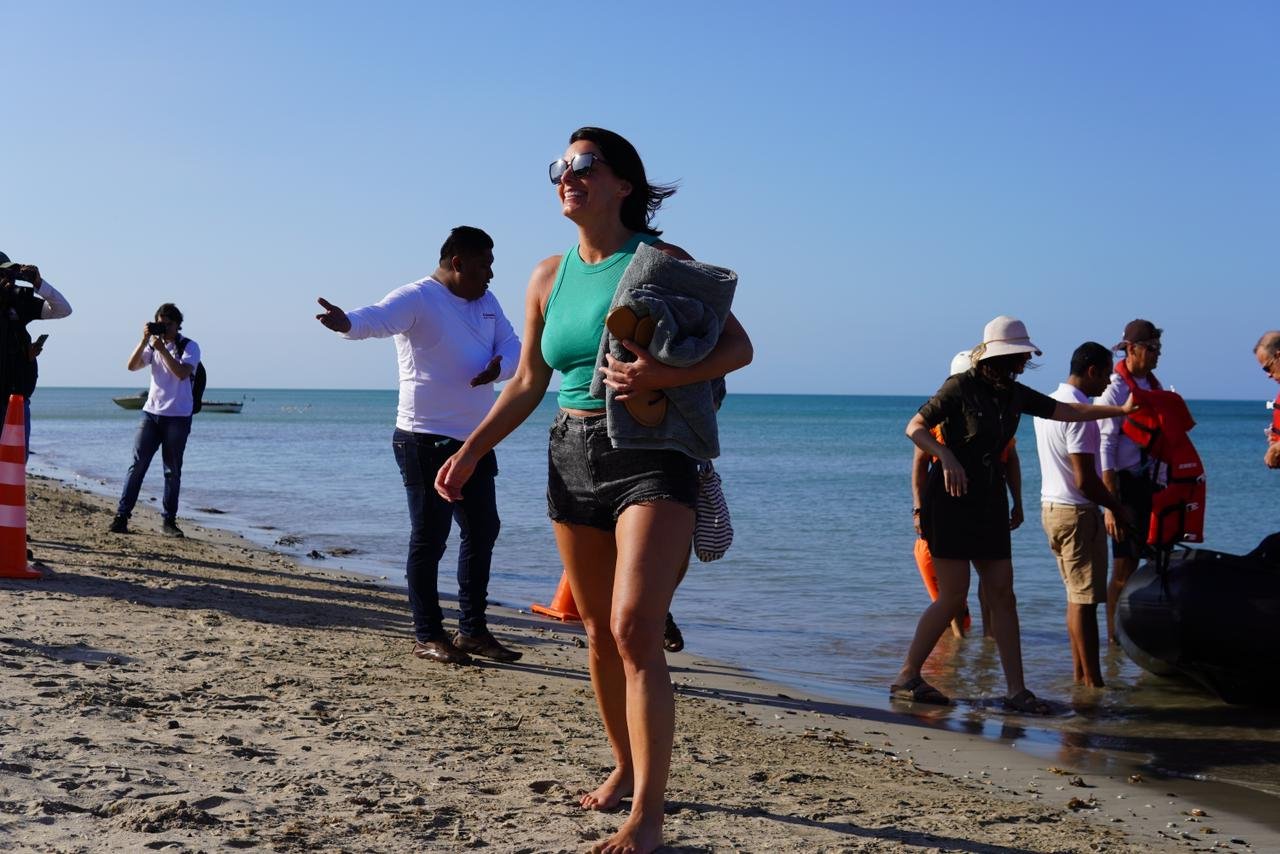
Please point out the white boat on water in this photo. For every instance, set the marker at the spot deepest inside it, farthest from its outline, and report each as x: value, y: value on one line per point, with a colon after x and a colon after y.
x: 135, y: 401
x: 131, y: 401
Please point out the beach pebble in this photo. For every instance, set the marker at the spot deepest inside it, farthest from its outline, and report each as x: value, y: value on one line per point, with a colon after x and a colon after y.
x: 1198, y: 813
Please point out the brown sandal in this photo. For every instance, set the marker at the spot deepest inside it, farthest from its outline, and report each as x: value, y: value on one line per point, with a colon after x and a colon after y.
x: 649, y: 409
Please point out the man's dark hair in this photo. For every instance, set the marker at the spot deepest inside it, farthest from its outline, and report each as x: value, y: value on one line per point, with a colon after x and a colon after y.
x: 465, y: 240
x: 639, y: 208
x: 170, y: 311
x: 1088, y: 355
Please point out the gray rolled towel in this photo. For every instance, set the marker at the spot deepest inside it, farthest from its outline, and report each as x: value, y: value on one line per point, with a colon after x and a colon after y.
x: 690, y: 303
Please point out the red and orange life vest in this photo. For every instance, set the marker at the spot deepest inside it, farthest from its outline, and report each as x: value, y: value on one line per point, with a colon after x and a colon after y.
x: 1159, y: 426
x: 1275, y: 421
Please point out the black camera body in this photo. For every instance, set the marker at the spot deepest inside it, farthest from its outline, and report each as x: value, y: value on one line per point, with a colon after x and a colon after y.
x: 157, y: 327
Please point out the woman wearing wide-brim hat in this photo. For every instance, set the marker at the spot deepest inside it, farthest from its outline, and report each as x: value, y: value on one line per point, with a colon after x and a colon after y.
x: 964, y: 514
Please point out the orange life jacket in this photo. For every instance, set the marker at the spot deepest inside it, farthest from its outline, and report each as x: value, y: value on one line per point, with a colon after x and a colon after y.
x: 1159, y: 427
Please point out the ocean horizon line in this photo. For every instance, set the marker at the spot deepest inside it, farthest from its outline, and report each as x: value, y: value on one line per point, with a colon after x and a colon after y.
x: 922, y: 396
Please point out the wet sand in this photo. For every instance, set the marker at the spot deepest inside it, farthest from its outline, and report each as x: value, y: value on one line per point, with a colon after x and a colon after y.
x: 203, y: 694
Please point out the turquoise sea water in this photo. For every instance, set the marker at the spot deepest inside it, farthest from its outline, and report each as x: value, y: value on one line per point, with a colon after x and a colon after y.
x: 819, y: 590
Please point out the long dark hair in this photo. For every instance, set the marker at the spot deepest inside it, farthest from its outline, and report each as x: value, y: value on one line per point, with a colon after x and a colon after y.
x: 638, y: 209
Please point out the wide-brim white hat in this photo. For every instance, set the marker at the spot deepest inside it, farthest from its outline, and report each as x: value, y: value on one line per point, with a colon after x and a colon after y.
x: 1004, y: 336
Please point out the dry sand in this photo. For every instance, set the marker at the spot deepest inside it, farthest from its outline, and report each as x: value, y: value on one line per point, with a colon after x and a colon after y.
x: 201, y: 694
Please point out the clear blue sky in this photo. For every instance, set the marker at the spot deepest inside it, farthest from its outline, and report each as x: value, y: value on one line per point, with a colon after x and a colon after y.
x: 885, y: 177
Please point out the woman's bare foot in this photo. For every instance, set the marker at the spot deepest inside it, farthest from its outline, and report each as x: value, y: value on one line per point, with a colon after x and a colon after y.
x: 636, y: 836
x: 609, y: 793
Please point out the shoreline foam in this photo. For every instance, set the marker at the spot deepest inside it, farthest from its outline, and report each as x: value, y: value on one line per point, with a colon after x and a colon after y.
x: 210, y: 693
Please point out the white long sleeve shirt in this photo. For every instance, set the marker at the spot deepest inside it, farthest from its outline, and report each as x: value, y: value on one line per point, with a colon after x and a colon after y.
x: 1119, y: 453
x: 55, y: 304
x: 442, y: 341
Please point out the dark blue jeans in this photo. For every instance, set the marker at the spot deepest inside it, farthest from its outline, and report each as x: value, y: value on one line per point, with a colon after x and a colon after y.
x: 420, y: 456
x: 168, y: 434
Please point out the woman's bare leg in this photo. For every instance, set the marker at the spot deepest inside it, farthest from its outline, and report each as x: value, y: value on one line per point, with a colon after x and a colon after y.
x: 652, y: 541
x: 997, y: 579
x: 953, y: 589
x: 589, y: 555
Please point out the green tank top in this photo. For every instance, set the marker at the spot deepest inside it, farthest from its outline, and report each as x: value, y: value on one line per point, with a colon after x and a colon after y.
x: 574, y: 319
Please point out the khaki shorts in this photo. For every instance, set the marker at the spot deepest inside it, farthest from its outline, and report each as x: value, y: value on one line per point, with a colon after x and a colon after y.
x: 1079, y: 541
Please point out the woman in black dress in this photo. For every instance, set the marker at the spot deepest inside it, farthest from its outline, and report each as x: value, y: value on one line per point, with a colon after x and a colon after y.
x: 965, y: 512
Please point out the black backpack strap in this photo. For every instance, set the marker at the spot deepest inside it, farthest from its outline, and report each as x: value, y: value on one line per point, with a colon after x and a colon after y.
x: 182, y: 348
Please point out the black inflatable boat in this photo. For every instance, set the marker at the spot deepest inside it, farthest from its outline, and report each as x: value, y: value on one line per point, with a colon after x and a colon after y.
x: 1209, y: 616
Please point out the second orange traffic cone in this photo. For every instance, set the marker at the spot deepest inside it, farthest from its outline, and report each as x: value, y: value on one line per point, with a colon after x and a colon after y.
x: 13, y: 494
x: 562, y: 607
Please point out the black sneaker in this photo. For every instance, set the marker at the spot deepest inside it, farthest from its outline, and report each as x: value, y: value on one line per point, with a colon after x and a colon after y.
x: 171, y: 529
x: 119, y: 525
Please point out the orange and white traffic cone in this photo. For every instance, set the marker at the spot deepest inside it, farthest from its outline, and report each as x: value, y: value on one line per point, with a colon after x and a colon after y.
x: 13, y: 495
x: 562, y: 607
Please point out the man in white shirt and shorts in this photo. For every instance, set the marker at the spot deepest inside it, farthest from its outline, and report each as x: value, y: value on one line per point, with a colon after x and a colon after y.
x: 452, y: 343
x: 1070, y: 495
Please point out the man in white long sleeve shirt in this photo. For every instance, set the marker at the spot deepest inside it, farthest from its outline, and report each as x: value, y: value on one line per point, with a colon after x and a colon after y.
x: 452, y: 343
x: 1124, y: 465
x: 19, y: 306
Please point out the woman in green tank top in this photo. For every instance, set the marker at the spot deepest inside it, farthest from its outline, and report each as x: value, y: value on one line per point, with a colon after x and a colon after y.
x: 623, y: 519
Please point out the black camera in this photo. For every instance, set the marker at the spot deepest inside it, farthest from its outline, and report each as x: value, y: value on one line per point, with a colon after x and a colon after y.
x: 157, y: 327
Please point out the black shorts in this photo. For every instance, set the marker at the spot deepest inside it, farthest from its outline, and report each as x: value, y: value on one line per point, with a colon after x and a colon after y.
x: 590, y: 482
x: 1136, y: 490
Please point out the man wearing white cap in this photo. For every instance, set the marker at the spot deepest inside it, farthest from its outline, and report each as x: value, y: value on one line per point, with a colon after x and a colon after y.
x: 1126, y: 469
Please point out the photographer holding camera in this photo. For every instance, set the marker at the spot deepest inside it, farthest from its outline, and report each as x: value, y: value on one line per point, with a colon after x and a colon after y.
x: 166, y: 416
x: 19, y: 305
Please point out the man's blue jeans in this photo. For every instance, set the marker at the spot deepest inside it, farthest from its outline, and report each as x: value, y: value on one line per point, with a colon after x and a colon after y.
x: 420, y: 456
x: 168, y: 434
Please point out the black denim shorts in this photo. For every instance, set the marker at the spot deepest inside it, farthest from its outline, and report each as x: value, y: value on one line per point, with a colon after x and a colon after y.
x: 590, y: 482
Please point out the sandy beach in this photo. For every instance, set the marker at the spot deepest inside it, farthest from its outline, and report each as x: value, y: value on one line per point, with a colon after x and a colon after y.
x: 203, y: 694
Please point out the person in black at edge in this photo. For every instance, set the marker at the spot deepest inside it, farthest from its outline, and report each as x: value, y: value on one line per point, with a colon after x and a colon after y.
x: 19, y: 305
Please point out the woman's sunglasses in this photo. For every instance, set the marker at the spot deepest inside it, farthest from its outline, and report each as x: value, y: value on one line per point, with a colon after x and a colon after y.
x: 580, y: 166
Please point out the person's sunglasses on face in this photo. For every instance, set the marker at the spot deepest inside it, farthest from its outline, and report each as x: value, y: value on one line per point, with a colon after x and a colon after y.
x: 580, y: 166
